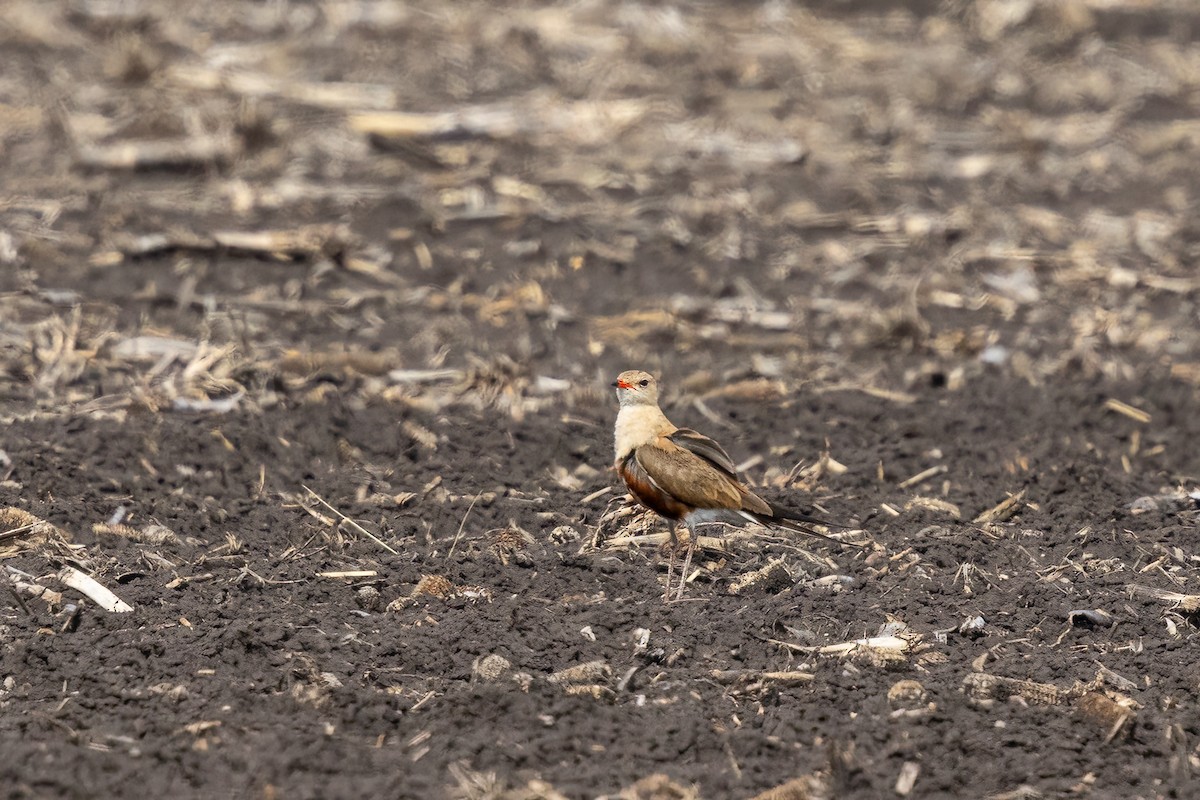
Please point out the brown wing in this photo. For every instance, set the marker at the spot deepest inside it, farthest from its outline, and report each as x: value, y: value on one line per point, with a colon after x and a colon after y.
x: 687, y: 477
x: 647, y: 492
x: 706, y: 448
x: 712, y: 452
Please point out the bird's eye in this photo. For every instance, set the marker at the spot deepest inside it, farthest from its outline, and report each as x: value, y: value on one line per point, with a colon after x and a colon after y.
x: 644, y: 383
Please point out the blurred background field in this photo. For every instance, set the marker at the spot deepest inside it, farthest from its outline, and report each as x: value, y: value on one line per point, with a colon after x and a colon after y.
x: 265, y: 266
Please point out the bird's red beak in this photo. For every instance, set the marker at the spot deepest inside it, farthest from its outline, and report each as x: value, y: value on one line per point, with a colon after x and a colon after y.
x: 620, y: 384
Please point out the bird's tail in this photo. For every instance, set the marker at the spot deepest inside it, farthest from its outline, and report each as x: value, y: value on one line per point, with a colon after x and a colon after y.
x: 798, y: 521
x: 780, y: 514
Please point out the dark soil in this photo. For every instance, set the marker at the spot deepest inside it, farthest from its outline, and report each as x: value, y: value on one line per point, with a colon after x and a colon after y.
x: 916, y: 236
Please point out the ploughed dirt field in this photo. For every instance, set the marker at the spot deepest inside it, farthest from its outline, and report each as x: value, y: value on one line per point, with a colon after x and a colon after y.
x: 308, y: 315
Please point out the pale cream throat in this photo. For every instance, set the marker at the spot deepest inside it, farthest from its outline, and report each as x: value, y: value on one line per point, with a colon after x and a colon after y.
x: 637, y: 425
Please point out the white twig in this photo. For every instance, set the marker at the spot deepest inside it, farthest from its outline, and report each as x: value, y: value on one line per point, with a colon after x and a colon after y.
x: 93, y: 590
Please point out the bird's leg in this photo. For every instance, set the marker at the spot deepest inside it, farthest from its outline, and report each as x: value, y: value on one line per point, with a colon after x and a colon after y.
x: 687, y: 561
x: 671, y: 559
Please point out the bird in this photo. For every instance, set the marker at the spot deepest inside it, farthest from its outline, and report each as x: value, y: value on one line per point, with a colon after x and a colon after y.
x: 684, y: 476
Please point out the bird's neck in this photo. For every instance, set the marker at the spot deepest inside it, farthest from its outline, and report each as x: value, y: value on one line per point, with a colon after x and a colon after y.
x: 637, y: 425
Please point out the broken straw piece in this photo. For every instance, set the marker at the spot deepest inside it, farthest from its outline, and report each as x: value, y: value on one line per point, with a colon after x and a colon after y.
x: 93, y: 590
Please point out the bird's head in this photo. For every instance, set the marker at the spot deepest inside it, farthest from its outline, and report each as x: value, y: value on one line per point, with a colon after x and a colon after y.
x: 635, y: 387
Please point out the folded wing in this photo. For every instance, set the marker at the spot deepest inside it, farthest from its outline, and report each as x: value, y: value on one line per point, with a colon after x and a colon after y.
x: 689, y: 478
x: 706, y: 448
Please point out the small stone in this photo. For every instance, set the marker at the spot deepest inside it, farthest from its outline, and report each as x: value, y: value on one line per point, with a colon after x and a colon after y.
x: 368, y: 598
x: 906, y: 694
x: 491, y: 667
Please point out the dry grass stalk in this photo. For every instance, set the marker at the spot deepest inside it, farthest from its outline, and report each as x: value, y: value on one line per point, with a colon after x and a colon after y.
x: 808, y: 787
x: 632, y: 326
x: 1135, y: 414
x: 534, y: 115
x: 308, y: 241
x: 1002, y: 510
x: 710, y: 543
x: 153, y: 348
x: 596, y: 495
x: 934, y: 504
x: 1188, y: 603
x: 760, y: 389
x: 201, y: 150
x: 785, y: 678
x: 892, y: 396
x: 361, y: 362
x: 808, y: 478
x: 327, y: 95
x: 421, y: 376
x: 351, y: 522
x: 886, y: 644
x: 147, y: 534
x: 305, y: 242
x: 183, y: 580
x: 924, y: 475
x: 425, y: 438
